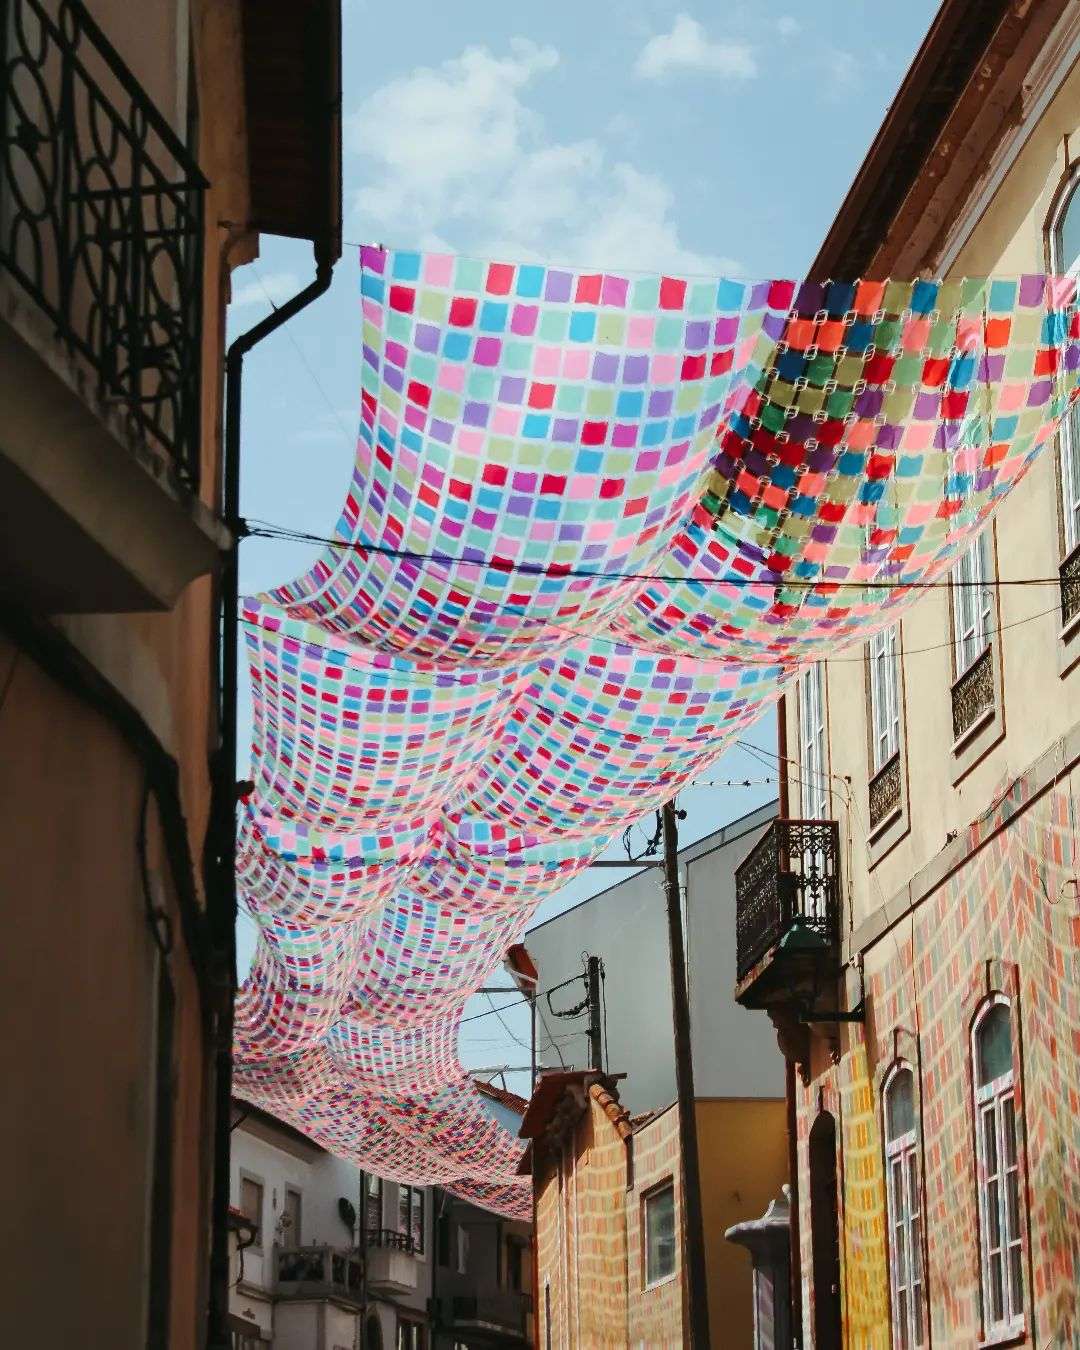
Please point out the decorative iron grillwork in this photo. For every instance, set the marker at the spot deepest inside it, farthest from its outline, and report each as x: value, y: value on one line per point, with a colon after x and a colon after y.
x: 391, y: 1238
x: 973, y: 693
x: 101, y: 221
x: 792, y: 873
x: 1070, y: 586
x: 885, y: 791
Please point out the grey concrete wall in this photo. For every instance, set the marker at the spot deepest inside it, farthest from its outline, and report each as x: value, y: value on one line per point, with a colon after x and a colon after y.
x: 735, y: 1052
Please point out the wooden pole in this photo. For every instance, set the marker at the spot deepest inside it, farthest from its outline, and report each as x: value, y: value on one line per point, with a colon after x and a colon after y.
x: 697, y: 1294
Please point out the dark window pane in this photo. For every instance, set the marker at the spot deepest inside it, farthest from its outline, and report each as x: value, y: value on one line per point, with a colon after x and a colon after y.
x: 900, y: 1105
x: 994, y: 1043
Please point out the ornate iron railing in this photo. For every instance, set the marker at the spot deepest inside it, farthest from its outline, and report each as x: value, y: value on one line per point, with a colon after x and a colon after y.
x: 792, y: 873
x: 885, y: 791
x: 390, y: 1238
x: 1070, y: 586
x: 973, y: 693
x: 101, y: 222
x: 314, y: 1270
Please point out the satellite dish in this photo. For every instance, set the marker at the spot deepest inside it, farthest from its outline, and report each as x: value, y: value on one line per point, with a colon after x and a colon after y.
x: 347, y: 1210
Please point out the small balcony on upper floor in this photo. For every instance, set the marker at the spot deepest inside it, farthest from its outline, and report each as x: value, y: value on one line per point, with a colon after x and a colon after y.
x: 484, y: 1315
x: 787, y: 906
x: 101, y: 326
x: 319, y: 1272
x: 391, y: 1262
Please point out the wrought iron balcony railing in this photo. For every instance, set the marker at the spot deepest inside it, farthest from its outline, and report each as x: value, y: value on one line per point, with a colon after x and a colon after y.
x: 505, y: 1308
x: 886, y: 788
x: 101, y: 222
x: 1070, y: 586
x: 316, y: 1271
x: 390, y: 1239
x: 791, y: 874
x: 973, y: 693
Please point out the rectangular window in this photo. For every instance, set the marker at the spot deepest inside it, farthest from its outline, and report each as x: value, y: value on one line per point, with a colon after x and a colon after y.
x: 410, y: 1335
x: 885, y: 696
x: 660, y: 1234
x: 1069, y: 451
x: 815, y: 796
x: 411, y: 1215
x: 972, y: 604
x: 373, y: 1220
x: 905, y: 1243
x: 251, y: 1205
x: 290, y: 1219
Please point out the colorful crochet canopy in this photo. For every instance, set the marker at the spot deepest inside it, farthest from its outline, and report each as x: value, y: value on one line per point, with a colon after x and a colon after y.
x: 595, y: 523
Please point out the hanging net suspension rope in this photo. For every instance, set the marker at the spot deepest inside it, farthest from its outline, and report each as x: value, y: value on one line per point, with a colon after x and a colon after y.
x: 670, y: 494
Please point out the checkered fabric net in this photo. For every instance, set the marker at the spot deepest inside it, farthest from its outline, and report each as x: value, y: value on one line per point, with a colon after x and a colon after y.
x: 596, y: 522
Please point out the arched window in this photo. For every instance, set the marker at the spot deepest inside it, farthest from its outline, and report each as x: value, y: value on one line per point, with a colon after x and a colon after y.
x: 904, y: 1199
x: 1064, y: 230
x: 998, y: 1169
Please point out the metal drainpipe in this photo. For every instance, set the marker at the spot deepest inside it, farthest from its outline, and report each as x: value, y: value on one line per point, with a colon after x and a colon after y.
x: 794, y: 1239
x: 222, y: 904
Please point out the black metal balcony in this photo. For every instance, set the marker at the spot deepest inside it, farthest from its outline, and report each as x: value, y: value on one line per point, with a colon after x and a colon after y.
x: 1070, y: 587
x: 973, y: 693
x: 101, y: 223
x: 886, y: 791
x: 499, y: 1315
x: 787, y: 892
x: 389, y: 1239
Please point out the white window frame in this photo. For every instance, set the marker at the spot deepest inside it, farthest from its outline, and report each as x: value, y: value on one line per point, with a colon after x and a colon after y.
x: 995, y: 1105
x: 814, y: 779
x: 257, y: 1246
x: 903, y: 1199
x: 973, y: 604
x: 649, y: 1198
x: 1068, y: 438
x: 885, y: 695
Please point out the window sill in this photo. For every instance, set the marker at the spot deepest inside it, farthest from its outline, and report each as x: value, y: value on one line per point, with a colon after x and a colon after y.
x: 659, y: 1284
x: 1069, y: 646
x: 998, y: 1340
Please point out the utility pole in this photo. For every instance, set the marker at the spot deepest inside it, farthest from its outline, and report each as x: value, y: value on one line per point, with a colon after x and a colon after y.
x: 693, y: 1228
x: 596, y: 1044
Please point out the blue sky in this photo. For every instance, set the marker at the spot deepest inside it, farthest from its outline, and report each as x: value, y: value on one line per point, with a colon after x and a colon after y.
x: 711, y: 139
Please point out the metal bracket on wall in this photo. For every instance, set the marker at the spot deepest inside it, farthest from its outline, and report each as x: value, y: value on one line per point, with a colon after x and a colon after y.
x: 857, y: 1014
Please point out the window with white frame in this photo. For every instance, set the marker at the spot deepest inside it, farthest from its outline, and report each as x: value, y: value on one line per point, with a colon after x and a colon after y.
x: 251, y: 1206
x: 659, y: 1208
x: 373, y: 1206
x: 411, y: 1215
x: 903, y: 1197
x: 815, y: 795
x: 1001, y: 1254
x: 885, y: 695
x: 972, y: 604
x: 1065, y: 259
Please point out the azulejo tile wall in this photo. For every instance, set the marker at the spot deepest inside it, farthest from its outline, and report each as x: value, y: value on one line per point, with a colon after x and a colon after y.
x: 1008, y: 920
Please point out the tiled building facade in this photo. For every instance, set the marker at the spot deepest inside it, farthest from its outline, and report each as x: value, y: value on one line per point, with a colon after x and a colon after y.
x: 594, y: 1175
x: 937, y: 1030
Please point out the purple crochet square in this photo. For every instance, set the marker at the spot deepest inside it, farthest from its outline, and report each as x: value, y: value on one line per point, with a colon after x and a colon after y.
x: 635, y: 369
x: 613, y: 291
x: 697, y: 335
x: 511, y: 389
x: 475, y: 414
x: 605, y: 367
x: 441, y: 431
x: 660, y: 402
x: 564, y: 430
x: 558, y: 286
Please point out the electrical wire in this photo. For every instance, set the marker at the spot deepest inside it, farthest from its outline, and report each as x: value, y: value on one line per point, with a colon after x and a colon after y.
x: 259, y: 529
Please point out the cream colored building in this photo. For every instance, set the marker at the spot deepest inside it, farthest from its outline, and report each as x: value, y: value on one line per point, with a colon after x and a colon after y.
x: 938, y: 1117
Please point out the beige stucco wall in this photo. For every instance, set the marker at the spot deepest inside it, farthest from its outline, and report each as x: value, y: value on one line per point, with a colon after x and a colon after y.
x: 1041, y: 691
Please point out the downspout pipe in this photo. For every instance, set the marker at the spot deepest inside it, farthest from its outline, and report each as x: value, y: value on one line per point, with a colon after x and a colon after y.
x: 223, y: 894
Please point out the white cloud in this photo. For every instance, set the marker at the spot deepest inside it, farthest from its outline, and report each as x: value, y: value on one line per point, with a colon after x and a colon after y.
x: 788, y: 26
x: 457, y: 158
x: 688, y: 47
x: 274, y: 288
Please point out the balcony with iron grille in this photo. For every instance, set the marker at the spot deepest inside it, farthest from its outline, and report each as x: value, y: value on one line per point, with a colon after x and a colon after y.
x: 483, y: 1316
x: 101, y: 276
x: 1069, y: 572
x: 787, y: 907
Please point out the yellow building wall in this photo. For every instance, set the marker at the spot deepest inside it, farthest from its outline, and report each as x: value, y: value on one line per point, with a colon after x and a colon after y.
x: 742, y: 1150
